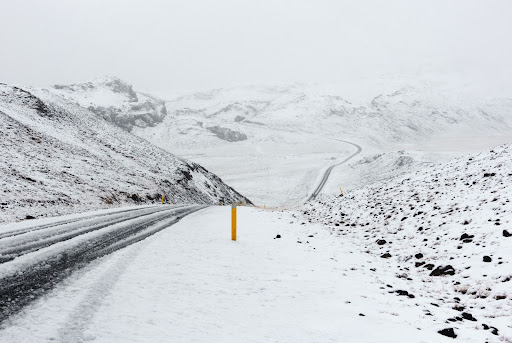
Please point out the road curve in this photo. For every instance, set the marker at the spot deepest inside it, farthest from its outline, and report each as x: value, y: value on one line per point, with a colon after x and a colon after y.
x: 33, y: 260
x: 327, y: 173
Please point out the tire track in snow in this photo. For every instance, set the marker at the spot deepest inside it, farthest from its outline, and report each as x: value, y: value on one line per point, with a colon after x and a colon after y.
x: 39, y: 273
x: 34, y: 240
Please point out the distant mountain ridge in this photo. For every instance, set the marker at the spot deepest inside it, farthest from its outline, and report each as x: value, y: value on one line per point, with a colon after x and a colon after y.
x: 116, y: 101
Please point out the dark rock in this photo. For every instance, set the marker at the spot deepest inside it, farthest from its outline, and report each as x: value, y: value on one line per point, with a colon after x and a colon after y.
x: 466, y: 236
x: 29, y: 217
x: 506, y: 233
x: 381, y: 242
x: 361, y: 315
x: 494, y: 331
x: 443, y: 270
x: 489, y: 174
x: 448, y: 333
x: 227, y: 134
x: 487, y: 259
x: 429, y: 266
x: 419, y: 255
x: 278, y: 236
x: 386, y: 255
x: 468, y: 316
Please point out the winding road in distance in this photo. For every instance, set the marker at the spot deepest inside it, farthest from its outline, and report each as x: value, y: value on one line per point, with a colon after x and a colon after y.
x: 327, y: 173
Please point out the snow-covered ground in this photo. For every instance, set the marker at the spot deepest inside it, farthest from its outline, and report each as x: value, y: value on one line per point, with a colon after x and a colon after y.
x: 191, y: 283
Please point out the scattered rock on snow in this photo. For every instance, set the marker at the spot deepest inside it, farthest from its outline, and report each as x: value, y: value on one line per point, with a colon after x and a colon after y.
x: 443, y: 270
x: 487, y: 259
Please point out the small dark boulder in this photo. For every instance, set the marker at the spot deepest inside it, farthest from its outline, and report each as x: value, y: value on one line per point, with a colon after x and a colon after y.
x: 381, y: 242
x: 448, y: 333
x: 278, y: 236
x: 443, y: 270
x: 419, y: 255
x: 506, y: 233
x: 487, y: 259
x: 29, y: 217
x: 386, y: 255
x: 468, y: 316
x: 466, y: 236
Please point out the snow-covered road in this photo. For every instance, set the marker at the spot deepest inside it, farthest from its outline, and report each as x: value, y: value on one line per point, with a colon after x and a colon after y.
x: 33, y: 258
x: 327, y: 172
x: 191, y: 283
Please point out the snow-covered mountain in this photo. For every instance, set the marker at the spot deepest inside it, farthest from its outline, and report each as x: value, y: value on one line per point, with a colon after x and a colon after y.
x: 115, y: 101
x: 58, y: 157
x: 271, y: 142
x: 441, y: 237
x: 410, y: 113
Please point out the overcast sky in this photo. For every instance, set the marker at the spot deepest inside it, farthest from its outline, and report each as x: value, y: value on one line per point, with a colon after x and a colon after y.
x: 189, y: 44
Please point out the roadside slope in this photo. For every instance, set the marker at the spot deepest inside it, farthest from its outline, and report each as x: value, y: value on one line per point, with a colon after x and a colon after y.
x: 61, y: 158
x: 444, y: 235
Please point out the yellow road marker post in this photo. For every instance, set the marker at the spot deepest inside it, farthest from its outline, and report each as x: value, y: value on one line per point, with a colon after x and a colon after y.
x: 233, y: 222
x: 341, y: 192
x: 162, y: 199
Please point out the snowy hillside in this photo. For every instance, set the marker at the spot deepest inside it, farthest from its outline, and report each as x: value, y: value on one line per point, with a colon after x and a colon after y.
x: 58, y: 157
x: 441, y: 239
x: 115, y: 101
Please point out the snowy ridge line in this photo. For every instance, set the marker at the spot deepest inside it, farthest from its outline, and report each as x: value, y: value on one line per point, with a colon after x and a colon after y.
x: 38, y: 272
x: 18, y: 246
x: 327, y: 173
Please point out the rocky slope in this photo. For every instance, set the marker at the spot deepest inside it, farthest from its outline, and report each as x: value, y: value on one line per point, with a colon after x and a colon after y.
x: 441, y: 238
x: 58, y: 157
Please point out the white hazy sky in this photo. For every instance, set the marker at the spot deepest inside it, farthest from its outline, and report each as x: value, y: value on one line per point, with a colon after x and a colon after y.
x: 194, y: 44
